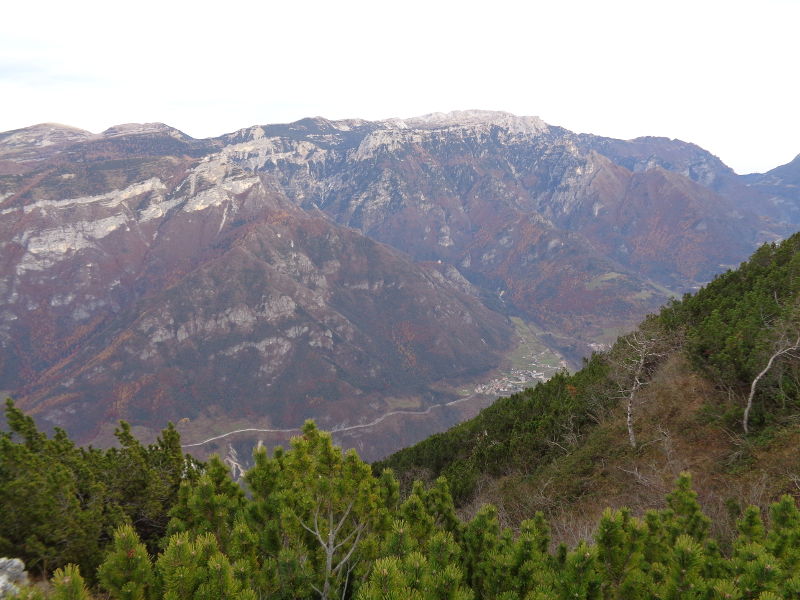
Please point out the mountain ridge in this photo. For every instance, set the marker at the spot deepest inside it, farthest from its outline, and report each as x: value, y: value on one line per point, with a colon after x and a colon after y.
x: 511, y: 216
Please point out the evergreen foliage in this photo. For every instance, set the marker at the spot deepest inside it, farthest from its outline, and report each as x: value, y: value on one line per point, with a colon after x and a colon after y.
x: 510, y: 431
x: 69, y: 585
x: 61, y: 503
x: 314, y: 522
x: 127, y: 572
x: 734, y: 324
x: 728, y: 330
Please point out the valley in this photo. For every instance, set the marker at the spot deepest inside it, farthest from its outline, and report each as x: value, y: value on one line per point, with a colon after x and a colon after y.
x: 370, y: 275
x: 530, y: 362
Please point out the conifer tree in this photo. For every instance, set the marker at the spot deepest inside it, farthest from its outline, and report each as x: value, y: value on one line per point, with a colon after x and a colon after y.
x: 579, y: 575
x: 211, y: 504
x: 413, y: 511
x: 145, y: 479
x: 54, y: 504
x: 687, y: 516
x: 751, y: 528
x: 127, y: 573
x: 399, y: 541
x: 412, y: 577
x: 755, y: 570
x: 197, y: 570
x: 68, y: 584
x: 329, y: 508
x: 783, y: 539
x: 531, y: 566
x: 620, y: 543
x: 682, y: 577
x: 439, y: 504
x: 486, y: 553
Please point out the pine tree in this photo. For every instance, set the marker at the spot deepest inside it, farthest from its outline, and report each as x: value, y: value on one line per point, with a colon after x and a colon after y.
x: 683, y: 578
x: 751, y: 528
x: 55, y: 506
x: 486, y: 553
x: 329, y: 508
x: 197, y: 570
x: 127, y: 573
x: 620, y: 545
x: 531, y: 566
x: 145, y: 479
x: 419, y: 523
x: 68, y: 584
x: 783, y: 539
x: 210, y: 504
x: 578, y: 577
x: 687, y: 516
x: 754, y: 569
x: 413, y: 577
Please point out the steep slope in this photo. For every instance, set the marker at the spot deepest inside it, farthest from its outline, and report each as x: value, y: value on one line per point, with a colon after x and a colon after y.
x: 680, y: 383
x: 542, y: 220
x: 243, y: 280
x: 191, y: 288
x: 779, y: 188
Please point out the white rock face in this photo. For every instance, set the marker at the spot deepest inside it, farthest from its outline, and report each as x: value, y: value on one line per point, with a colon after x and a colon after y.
x: 47, y: 247
x: 478, y: 118
x: 108, y: 200
x: 397, y: 133
x: 138, y: 128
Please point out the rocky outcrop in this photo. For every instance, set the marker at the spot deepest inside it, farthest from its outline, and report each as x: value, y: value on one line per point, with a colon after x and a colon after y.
x: 12, y: 576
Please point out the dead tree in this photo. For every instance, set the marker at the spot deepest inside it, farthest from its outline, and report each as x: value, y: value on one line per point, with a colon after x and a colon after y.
x: 335, y: 539
x: 638, y: 354
x: 785, y: 348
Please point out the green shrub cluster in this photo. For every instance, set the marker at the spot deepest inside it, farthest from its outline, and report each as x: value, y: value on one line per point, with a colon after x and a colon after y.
x: 741, y: 318
x: 60, y: 503
x: 313, y: 522
x: 512, y: 430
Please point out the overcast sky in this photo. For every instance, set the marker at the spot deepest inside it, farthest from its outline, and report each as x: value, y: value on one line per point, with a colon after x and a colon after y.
x: 721, y: 74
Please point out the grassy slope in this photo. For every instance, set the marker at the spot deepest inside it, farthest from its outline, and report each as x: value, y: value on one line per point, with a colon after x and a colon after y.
x: 563, y: 448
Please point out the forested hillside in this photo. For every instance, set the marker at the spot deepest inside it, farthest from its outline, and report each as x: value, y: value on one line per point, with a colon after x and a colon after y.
x: 710, y: 385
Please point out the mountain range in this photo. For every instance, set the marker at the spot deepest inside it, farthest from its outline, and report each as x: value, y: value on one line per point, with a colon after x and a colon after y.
x: 341, y: 270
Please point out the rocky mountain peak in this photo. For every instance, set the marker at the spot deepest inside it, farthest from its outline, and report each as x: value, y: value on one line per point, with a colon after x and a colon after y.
x: 473, y: 118
x: 42, y: 135
x: 142, y: 128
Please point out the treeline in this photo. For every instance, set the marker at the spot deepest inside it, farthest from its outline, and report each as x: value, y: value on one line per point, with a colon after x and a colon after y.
x: 313, y: 522
x: 60, y: 503
x: 728, y: 330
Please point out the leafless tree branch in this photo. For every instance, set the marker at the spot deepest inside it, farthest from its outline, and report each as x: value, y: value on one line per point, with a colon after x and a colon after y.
x: 783, y: 351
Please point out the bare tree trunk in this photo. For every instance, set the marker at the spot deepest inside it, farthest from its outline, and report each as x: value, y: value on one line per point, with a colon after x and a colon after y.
x: 644, y: 348
x: 637, y: 384
x: 749, y: 406
x: 331, y: 544
x: 629, y: 421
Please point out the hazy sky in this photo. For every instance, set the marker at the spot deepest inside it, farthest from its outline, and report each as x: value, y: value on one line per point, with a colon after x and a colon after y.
x: 721, y: 74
